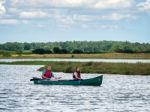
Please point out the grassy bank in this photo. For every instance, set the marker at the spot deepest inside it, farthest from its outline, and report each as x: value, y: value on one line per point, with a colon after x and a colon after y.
x: 93, y: 67
x: 99, y: 55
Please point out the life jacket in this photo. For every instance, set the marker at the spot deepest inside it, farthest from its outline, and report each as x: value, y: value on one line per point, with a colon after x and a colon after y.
x: 48, y: 74
x: 78, y: 75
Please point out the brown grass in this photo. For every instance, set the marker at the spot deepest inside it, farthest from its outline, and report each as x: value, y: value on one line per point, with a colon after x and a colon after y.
x: 100, y: 55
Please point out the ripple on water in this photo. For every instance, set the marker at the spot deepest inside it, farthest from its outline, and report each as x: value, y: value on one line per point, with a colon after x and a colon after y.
x: 117, y: 94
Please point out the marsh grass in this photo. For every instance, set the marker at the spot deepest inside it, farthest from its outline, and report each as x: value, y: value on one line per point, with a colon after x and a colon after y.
x: 92, y: 67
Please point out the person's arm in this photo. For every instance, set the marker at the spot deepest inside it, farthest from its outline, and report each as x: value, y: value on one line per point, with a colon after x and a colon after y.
x: 78, y: 78
x: 40, y: 69
x: 75, y: 75
x: 43, y: 72
x: 44, y: 77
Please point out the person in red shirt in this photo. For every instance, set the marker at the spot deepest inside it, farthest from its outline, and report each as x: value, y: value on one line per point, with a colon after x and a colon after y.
x: 77, y: 74
x: 46, y: 72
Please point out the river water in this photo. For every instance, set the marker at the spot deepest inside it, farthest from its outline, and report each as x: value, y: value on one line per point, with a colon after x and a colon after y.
x: 118, y: 93
x: 83, y: 60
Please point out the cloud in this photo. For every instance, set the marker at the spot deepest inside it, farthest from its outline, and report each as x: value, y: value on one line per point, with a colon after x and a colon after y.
x: 53, y: 3
x: 33, y: 14
x: 73, y: 3
x: 2, y: 7
x: 88, y: 18
x: 94, y: 21
x: 113, y: 4
x: 117, y: 16
x: 67, y: 20
x: 8, y: 21
x: 100, y: 4
x: 144, y: 6
x: 69, y: 12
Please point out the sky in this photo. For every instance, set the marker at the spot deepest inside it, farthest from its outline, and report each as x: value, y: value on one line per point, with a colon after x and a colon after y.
x: 69, y: 20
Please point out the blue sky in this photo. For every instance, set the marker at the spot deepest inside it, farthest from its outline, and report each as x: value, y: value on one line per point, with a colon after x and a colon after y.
x: 65, y: 20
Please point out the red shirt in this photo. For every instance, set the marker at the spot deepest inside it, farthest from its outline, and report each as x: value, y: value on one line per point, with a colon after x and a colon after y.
x: 48, y: 74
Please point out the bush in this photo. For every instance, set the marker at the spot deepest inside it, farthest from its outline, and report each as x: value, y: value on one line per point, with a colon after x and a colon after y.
x: 1, y: 51
x: 64, y: 51
x: 42, y: 51
x: 57, y: 50
x: 6, y: 54
x: 77, y: 51
x: 72, y: 56
x: 19, y: 52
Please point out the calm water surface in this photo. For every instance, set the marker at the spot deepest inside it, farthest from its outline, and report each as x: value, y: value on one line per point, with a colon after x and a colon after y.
x: 83, y: 60
x: 117, y: 93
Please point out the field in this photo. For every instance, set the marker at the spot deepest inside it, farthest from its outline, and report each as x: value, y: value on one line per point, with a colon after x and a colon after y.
x: 98, y: 55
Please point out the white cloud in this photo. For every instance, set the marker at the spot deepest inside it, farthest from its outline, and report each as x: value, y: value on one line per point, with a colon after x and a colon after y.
x: 32, y: 9
x: 8, y: 21
x: 69, y: 12
x: 56, y: 3
x: 33, y: 3
x: 2, y: 7
x: 113, y: 4
x: 117, y: 16
x: 13, y: 10
x: 87, y: 20
x: 144, y: 6
x: 33, y: 14
x: 64, y: 19
x: 73, y: 3
x: 100, y: 4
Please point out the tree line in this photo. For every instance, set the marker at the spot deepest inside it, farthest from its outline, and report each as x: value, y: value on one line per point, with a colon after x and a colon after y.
x: 77, y: 47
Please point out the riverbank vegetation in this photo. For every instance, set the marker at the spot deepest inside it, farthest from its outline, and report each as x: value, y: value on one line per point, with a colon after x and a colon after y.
x: 93, y: 67
x: 76, y: 49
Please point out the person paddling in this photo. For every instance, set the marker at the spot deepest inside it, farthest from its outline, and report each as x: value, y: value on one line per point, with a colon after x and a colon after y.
x: 46, y: 72
x: 77, y: 74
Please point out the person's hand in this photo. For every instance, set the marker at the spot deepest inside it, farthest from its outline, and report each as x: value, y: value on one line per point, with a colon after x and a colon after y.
x: 41, y: 68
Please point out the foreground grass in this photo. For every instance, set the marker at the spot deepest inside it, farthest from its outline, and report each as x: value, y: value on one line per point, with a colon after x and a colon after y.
x: 93, y: 67
x: 99, y: 55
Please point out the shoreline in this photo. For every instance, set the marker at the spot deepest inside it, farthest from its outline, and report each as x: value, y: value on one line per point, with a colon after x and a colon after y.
x: 92, y: 67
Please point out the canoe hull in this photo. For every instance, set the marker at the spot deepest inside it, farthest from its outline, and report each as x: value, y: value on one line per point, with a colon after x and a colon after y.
x: 96, y: 81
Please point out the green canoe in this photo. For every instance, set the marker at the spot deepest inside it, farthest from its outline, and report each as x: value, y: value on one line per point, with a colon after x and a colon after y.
x: 96, y: 81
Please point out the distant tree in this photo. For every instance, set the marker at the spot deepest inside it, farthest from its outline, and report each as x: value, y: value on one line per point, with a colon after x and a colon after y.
x: 27, y: 46
x: 57, y: 50
x: 13, y: 46
x: 38, y: 51
x: 42, y: 51
x: 64, y: 51
x: 48, y: 51
x: 78, y: 47
x: 77, y: 51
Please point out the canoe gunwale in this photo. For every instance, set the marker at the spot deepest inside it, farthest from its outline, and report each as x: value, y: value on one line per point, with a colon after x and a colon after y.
x: 96, y: 81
